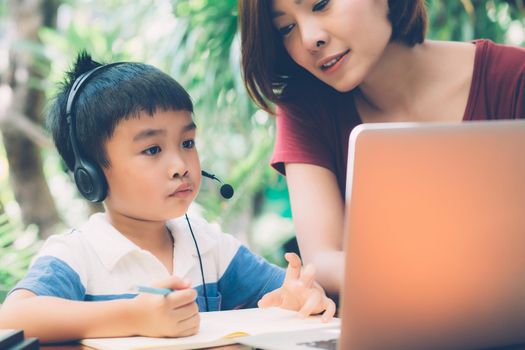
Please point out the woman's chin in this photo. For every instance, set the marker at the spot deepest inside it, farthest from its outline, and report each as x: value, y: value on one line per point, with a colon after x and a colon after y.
x: 343, y: 87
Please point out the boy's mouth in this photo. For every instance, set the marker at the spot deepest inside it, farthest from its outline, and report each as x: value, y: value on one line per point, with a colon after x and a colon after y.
x: 182, y: 191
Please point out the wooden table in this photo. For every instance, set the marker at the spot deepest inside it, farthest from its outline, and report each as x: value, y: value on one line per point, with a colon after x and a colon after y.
x: 227, y: 347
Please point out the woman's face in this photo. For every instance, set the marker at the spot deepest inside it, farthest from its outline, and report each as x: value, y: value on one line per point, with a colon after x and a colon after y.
x: 338, y: 41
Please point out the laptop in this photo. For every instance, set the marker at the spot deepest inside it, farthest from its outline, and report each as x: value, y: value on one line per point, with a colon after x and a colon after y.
x: 434, y: 240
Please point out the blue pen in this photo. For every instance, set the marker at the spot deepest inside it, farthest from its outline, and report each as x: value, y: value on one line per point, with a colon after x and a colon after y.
x: 152, y: 290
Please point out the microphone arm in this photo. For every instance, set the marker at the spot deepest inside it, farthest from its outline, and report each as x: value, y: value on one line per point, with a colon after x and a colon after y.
x: 226, y: 189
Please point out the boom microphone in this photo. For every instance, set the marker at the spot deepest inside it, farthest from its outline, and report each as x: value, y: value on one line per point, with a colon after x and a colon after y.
x: 226, y: 189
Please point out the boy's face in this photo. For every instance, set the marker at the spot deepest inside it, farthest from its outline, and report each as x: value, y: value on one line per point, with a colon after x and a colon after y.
x: 154, y: 171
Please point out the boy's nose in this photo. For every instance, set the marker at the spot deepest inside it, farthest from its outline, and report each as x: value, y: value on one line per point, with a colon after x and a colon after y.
x: 180, y: 174
x: 177, y: 168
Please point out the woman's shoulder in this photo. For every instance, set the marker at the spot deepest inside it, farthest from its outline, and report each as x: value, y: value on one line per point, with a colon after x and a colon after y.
x: 498, y: 82
x: 504, y: 50
x: 500, y: 59
x: 488, y: 55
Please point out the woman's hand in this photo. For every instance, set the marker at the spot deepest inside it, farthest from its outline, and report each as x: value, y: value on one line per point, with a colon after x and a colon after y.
x: 299, y: 292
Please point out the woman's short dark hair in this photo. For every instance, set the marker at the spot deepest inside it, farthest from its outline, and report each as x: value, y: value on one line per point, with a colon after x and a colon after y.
x: 268, y: 69
x: 116, y: 93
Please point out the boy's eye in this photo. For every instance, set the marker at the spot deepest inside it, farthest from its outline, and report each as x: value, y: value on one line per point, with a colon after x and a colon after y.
x: 152, y: 150
x: 285, y: 30
x: 188, y: 144
x: 320, y: 5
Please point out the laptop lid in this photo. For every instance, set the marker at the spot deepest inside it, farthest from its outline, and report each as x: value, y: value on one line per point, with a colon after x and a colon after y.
x: 435, y: 236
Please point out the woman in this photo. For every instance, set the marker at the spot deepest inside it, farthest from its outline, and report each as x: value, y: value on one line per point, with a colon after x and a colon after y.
x: 329, y: 65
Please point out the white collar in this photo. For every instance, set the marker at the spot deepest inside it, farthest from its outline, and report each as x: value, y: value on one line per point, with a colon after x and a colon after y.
x: 110, y: 245
x: 185, y: 252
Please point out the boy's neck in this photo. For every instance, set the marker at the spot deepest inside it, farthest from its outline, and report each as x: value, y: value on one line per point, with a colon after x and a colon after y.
x: 153, y: 236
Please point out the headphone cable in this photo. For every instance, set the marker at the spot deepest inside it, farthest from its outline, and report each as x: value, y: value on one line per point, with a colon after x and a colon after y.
x: 200, y: 264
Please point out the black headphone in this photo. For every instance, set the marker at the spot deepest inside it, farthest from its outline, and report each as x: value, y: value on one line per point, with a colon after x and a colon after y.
x: 88, y: 175
x: 89, y: 178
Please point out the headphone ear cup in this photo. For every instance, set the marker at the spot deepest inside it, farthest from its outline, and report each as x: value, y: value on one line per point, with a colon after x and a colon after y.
x: 90, y: 181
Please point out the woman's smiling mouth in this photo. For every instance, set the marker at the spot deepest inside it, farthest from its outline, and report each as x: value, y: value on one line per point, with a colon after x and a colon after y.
x: 332, y: 61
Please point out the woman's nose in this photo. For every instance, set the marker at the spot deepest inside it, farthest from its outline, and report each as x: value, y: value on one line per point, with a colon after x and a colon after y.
x: 313, y: 37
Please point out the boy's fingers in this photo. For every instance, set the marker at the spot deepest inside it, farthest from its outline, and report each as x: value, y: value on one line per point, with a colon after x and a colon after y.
x: 188, y: 326
x: 185, y: 311
x: 174, y: 283
x: 188, y: 332
x: 311, y: 304
x: 330, y: 310
x: 180, y: 298
x: 294, y: 266
x: 274, y: 298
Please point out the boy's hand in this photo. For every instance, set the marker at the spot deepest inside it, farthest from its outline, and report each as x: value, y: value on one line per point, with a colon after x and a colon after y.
x: 300, y: 292
x: 173, y: 315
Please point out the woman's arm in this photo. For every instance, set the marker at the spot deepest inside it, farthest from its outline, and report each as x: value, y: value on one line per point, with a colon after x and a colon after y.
x: 53, y: 319
x: 318, y: 212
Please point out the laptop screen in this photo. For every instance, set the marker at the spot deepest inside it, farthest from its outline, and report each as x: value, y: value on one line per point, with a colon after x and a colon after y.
x: 435, y: 236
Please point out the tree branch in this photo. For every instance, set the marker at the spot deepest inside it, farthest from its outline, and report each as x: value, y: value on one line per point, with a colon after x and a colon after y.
x: 11, y: 119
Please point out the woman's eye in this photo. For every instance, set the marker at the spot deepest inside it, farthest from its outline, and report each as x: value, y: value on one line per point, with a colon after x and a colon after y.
x: 188, y: 144
x: 320, y: 5
x: 285, y: 30
x: 152, y: 150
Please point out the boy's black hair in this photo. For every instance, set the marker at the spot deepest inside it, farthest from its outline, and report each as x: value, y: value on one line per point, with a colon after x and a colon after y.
x: 113, y: 94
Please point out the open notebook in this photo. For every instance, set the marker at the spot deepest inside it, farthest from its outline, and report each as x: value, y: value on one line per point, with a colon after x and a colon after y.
x: 220, y: 328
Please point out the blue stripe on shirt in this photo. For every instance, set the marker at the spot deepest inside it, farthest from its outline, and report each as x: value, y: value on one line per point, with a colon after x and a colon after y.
x: 50, y: 276
x: 247, y: 278
x: 105, y: 297
x: 214, y: 298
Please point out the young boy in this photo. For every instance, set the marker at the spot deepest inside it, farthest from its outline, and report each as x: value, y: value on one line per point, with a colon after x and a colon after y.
x: 126, y: 130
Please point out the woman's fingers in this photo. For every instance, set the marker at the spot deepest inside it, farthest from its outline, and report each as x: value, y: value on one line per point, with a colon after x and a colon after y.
x: 294, y: 266
x: 308, y: 275
x: 311, y: 304
x: 329, y: 311
x: 274, y: 298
